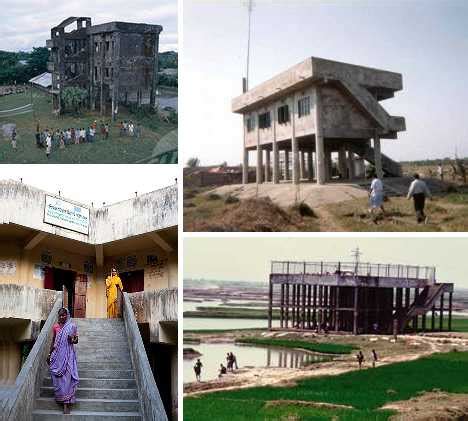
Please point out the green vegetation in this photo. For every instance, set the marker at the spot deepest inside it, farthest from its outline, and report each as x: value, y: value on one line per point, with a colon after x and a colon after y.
x: 202, y: 331
x: 231, y: 313
x: 157, y: 136
x: 365, y: 390
x: 460, y: 324
x: 323, y: 347
x: 12, y: 68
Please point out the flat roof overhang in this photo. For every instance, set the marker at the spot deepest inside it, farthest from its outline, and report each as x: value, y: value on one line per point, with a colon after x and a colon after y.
x: 313, y: 70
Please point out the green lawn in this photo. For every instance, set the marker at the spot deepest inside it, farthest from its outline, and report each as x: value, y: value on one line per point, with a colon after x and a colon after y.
x: 157, y: 136
x: 460, y: 324
x: 327, y: 348
x: 365, y: 390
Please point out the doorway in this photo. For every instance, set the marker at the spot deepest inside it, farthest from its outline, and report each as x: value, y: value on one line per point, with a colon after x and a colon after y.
x: 133, y: 281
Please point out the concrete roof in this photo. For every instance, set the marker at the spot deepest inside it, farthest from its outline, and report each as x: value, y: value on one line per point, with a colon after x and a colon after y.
x: 314, y: 70
x: 23, y: 205
x: 124, y: 27
x: 44, y: 80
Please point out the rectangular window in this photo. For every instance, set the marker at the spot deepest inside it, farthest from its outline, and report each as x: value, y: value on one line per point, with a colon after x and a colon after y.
x: 303, y: 106
x: 96, y: 47
x: 112, y: 72
x: 107, y: 45
x: 283, y: 114
x: 250, y: 124
x: 95, y: 73
x: 107, y: 72
x: 264, y: 120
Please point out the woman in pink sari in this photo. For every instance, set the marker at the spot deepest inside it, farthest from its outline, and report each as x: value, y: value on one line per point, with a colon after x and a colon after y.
x: 62, y: 360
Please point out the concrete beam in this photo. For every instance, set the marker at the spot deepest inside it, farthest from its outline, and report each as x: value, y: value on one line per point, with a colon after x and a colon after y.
x: 99, y: 255
x: 160, y: 242
x: 35, y: 240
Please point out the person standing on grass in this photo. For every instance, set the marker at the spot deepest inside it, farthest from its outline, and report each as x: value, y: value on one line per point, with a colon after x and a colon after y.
x: 376, y: 194
x: 360, y: 358
x: 38, y: 140
x: 197, y: 368
x: 106, y: 131
x: 440, y: 171
x: 13, y: 139
x: 418, y: 190
x: 48, y: 144
x: 374, y: 358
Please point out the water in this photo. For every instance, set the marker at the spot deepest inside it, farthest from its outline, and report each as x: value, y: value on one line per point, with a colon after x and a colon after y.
x: 247, y: 355
x: 197, y: 323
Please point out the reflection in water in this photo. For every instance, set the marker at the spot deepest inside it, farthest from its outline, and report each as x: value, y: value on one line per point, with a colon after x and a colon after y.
x: 247, y: 356
x: 197, y: 323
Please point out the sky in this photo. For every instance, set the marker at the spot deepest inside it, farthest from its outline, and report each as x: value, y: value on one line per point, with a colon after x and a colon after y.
x: 424, y: 40
x: 27, y: 23
x: 93, y: 183
x: 248, y: 259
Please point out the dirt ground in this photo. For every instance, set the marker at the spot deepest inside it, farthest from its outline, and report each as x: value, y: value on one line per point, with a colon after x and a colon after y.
x: 406, y: 348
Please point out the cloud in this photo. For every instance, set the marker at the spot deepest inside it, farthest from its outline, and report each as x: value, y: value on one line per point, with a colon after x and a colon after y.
x: 28, y: 22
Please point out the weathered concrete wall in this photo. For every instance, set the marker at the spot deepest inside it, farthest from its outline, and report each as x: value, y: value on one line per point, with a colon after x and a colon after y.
x: 24, y: 205
x: 155, y: 307
x: 151, y: 403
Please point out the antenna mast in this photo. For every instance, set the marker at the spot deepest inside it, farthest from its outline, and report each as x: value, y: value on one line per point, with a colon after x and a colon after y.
x: 249, y: 4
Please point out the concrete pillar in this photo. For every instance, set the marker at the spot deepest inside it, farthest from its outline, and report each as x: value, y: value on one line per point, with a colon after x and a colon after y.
x: 310, y: 165
x: 351, y: 164
x: 267, y: 165
x: 302, y: 165
x: 259, y: 158
x: 342, y: 162
x: 245, y: 167
x: 270, y: 305
x: 319, y: 140
x: 276, y: 175
x: 378, y: 156
x: 328, y: 164
x: 294, y: 145
x: 286, y: 165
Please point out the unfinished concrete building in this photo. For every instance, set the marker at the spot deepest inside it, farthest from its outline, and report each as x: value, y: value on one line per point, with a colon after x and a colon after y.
x: 116, y: 62
x: 358, y: 297
x: 295, y: 121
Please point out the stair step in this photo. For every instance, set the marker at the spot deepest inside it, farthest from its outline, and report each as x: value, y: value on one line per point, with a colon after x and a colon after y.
x: 105, y: 365
x: 106, y: 374
x: 44, y: 415
x: 101, y: 405
x: 93, y: 393
x: 100, y: 383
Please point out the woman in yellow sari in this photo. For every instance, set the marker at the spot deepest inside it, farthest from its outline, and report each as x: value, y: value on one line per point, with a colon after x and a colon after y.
x: 112, y: 282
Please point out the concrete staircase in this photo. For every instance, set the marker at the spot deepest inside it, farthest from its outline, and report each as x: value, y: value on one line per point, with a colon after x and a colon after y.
x: 389, y: 166
x: 107, y: 388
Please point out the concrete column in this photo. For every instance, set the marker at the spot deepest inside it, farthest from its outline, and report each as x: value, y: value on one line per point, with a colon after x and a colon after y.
x: 310, y: 165
x: 378, y: 156
x: 276, y: 175
x: 259, y: 164
x: 245, y: 167
x: 319, y: 140
x: 327, y: 164
x: 270, y: 305
x: 267, y: 165
x: 342, y: 161
x: 294, y: 145
x: 302, y: 165
x: 286, y: 165
x: 351, y: 164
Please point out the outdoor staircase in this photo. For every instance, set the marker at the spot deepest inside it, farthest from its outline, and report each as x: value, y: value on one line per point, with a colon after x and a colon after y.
x: 422, y: 304
x: 389, y: 166
x: 107, y: 389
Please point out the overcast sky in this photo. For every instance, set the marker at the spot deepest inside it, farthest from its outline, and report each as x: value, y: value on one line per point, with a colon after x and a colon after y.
x: 425, y: 40
x: 27, y: 23
x: 248, y: 259
x: 93, y: 183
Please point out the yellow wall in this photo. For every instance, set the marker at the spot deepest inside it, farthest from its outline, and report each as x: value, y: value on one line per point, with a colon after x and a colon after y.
x: 160, y: 274
x: 10, y: 362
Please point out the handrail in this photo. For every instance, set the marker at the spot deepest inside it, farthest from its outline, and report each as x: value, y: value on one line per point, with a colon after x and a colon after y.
x: 150, y: 400
x: 21, y: 401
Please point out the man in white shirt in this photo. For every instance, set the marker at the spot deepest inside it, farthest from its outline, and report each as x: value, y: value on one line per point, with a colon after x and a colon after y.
x: 376, y: 193
x: 419, y: 191
x: 48, y: 144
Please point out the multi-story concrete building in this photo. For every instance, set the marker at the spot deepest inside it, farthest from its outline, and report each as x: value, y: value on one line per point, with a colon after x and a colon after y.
x: 54, y: 252
x: 116, y: 62
x: 316, y: 108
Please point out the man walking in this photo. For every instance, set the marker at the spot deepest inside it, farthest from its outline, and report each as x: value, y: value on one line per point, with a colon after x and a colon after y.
x: 197, y: 368
x: 419, y: 191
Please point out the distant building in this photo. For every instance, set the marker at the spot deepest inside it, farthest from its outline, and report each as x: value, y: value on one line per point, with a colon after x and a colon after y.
x: 42, y: 82
x: 316, y: 108
x: 116, y: 62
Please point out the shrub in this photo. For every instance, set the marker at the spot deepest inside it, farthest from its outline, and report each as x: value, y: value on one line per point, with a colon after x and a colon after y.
x: 231, y: 199
x: 304, y: 210
x: 214, y: 196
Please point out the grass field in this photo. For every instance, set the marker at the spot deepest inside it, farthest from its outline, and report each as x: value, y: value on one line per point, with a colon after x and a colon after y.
x: 364, y: 390
x: 204, y: 212
x: 324, y: 347
x: 460, y: 324
x: 157, y: 136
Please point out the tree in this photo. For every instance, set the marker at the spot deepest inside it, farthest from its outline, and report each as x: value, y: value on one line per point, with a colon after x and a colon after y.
x: 73, y: 98
x: 193, y: 162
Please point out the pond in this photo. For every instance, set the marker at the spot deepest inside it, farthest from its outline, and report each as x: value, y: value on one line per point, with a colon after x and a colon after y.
x: 213, y: 354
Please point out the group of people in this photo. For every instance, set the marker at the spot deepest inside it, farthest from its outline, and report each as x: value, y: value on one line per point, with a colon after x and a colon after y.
x: 231, y: 364
x: 360, y: 358
x: 418, y: 191
x: 129, y: 129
